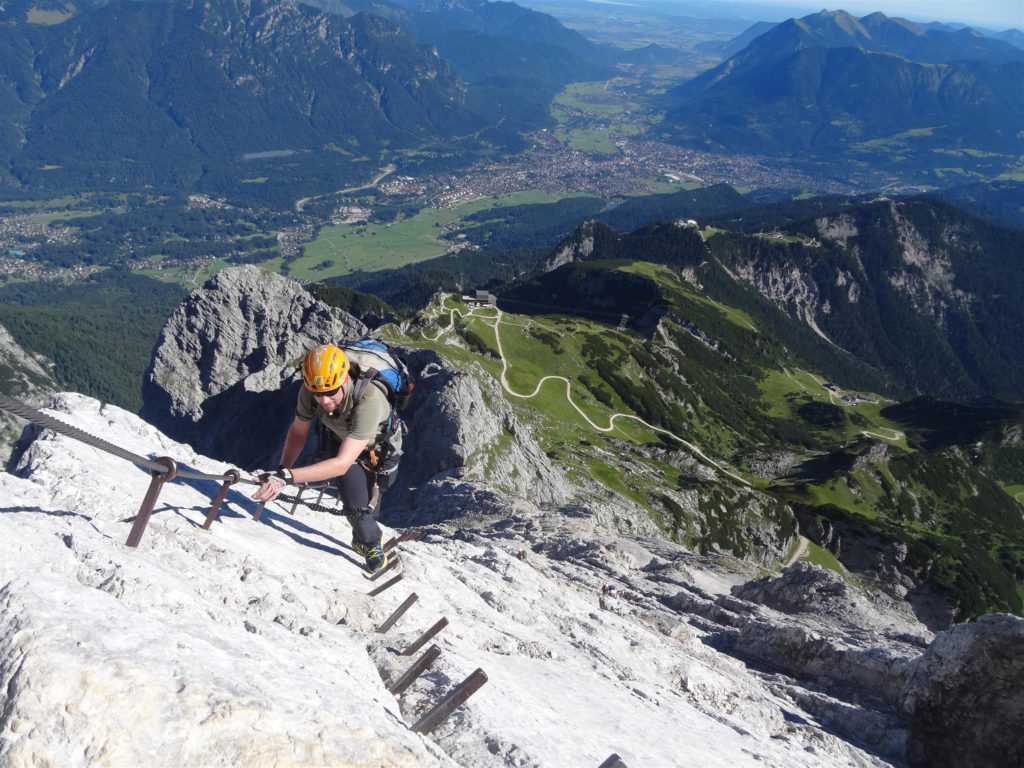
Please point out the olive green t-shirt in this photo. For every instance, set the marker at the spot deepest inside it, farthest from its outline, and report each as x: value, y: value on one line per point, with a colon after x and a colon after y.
x: 361, y: 421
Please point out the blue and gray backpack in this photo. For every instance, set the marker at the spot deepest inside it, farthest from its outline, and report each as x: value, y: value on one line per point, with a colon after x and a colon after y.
x: 374, y: 360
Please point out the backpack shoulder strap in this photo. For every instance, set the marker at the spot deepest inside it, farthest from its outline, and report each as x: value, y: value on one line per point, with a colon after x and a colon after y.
x: 362, y: 382
x: 365, y: 379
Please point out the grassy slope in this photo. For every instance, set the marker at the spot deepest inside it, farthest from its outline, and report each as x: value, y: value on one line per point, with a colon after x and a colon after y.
x: 625, y: 459
x: 629, y: 461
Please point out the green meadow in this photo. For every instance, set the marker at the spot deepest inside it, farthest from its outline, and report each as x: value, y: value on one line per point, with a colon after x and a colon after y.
x: 367, y: 247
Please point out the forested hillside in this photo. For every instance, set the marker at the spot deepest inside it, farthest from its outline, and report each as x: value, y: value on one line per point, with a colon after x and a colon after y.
x: 916, y: 292
x: 222, y: 96
x: 99, y: 333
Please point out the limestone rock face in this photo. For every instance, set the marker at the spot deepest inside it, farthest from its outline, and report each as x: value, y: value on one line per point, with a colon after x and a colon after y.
x: 965, y: 698
x: 820, y: 628
x: 464, y: 446
x: 830, y: 633
x: 256, y: 643
x: 226, y: 353
x: 803, y: 588
x: 698, y: 658
x: 845, y: 659
x: 580, y: 245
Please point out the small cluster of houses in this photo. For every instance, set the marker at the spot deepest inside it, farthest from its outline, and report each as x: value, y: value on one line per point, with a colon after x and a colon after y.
x: 480, y: 299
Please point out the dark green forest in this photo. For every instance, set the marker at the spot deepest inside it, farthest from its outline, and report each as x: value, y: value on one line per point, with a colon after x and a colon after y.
x: 518, y: 227
x: 100, y: 333
x: 168, y: 227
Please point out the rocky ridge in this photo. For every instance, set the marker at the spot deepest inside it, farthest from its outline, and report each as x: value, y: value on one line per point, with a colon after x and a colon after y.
x: 793, y: 669
x: 465, y: 442
x: 580, y: 245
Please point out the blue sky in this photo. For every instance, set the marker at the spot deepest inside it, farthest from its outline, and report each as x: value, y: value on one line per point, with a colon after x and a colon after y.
x: 994, y: 14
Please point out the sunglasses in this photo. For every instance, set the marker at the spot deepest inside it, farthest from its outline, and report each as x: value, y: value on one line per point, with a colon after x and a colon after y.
x: 330, y: 393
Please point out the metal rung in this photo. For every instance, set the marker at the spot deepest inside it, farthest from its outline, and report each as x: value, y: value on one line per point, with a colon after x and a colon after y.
x: 298, y: 498
x: 385, y: 585
x: 399, y: 611
x: 421, y: 665
x: 450, y: 703
x: 410, y: 534
x: 231, y: 477
x: 392, y: 562
x: 152, y: 494
x: 426, y: 637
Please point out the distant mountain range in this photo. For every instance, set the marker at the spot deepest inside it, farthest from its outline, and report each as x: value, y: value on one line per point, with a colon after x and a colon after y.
x: 1012, y: 36
x: 514, y: 59
x: 272, y: 101
x: 179, y: 94
x: 864, y: 93
x: 225, y: 94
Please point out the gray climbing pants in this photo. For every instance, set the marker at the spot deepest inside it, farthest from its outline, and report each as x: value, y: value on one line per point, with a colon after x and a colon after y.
x: 355, y: 490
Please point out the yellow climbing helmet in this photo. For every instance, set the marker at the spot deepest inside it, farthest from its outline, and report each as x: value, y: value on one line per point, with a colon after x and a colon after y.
x: 325, y: 368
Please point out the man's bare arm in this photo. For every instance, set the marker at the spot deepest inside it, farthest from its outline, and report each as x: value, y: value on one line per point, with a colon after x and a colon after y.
x: 298, y: 433
x: 350, y: 450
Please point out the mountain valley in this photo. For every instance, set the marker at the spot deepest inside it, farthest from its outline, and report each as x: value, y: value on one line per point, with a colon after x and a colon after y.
x: 715, y: 453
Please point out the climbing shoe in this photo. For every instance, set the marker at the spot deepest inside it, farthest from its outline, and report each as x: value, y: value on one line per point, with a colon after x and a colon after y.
x: 376, y: 557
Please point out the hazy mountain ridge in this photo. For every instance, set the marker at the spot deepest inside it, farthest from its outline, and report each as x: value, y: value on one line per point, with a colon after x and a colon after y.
x: 276, y: 78
x: 860, y: 93
x: 731, y: 47
x: 515, y: 59
x: 1012, y: 36
x: 228, y: 95
x: 875, y: 33
x: 821, y: 98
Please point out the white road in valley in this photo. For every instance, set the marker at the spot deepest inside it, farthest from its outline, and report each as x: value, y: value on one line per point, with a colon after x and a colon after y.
x: 385, y: 171
x: 568, y: 393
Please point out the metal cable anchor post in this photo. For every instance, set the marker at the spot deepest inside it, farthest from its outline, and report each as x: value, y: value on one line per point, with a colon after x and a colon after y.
x: 155, y: 485
x: 231, y: 477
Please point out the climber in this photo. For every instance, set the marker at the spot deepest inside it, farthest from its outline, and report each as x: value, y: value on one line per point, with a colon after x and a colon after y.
x: 361, y: 424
